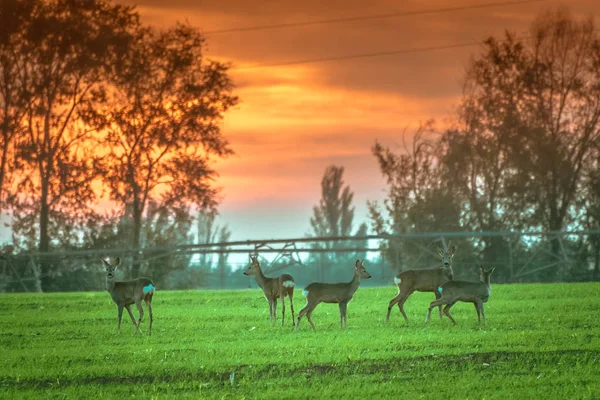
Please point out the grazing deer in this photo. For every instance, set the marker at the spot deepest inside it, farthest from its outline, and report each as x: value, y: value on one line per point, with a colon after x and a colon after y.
x: 273, y: 288
x: 340, y: 293
x: 126, y: 293
x: 468, y: 292
x: 423, y: 280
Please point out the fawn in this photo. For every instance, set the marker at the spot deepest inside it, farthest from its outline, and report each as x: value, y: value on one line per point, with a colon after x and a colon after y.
x: 423, y: 280
x: 469, y: 292
x: 340, y: 293
x: 126, y: 293
x: 273, y: 288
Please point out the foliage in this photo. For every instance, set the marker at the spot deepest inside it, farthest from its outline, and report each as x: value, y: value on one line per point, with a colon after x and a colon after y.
x: 162, y: 123
x: 334, y: 217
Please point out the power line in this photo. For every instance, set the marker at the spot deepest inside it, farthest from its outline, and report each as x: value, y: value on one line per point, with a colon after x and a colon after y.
x: 371, y: 55
x: 362, y: 55
x: 369, y: 17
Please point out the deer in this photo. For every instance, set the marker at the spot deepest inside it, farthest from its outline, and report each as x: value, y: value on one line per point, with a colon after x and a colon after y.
x: 273, y: 289
x: 126, y: 293
x: 423, y: 280
x: 468, y: 292
x: 340, y: 293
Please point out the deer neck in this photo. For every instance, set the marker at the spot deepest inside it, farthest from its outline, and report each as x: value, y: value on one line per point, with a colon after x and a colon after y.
x: 260, y: 277
x: 355, y: 282
x: 110, y: 284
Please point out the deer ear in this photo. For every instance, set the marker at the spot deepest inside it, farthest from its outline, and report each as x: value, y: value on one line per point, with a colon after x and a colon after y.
x: 106, y: 264
x: 441, y: 252
x: 453, y: 250
x: 117, y: 262
x: 492, y: 270
x: 357, y: 263
x: 481, y: 269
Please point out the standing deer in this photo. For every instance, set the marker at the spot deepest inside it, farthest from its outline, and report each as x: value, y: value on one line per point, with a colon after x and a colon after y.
x: 273, y: 288
x: 468, y: 292
x: 126, y: 293
x: 423, y: 280
x: 340, y: 293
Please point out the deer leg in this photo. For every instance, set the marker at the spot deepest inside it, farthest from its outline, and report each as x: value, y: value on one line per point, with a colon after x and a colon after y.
x: 282, y: 309
x: 274, y: 310
x: 138, y: 303
x: 343, y: 308
x: 478, y: 312
x: 438, y: 296
x: 148, y: 300
x: 120, y: 316
x: 308, y: 315
x: 131, y: 315
x: 270, y: 310
x: 401, y: 306
x: 393, y: 302
x: 482, y: 312
x: 432, y: 305
x: 291, y: 295
x: 447, y: 312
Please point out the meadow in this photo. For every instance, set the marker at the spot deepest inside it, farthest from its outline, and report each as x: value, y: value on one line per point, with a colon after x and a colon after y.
x: 541, y: 341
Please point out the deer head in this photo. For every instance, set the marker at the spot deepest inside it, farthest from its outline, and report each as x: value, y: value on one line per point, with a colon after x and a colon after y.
x: 254, y: 266
x: 110, y: 269
x: 446, y: 255
x: 360, y: 269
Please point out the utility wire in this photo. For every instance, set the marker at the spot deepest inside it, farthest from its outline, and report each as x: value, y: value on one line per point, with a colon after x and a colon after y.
x: 371, y: 55
x: 362, y: 55
x: 369, y: 17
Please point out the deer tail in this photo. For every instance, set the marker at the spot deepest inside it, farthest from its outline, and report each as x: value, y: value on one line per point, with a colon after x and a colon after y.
x: 288, y: 284
x: 149, y: 289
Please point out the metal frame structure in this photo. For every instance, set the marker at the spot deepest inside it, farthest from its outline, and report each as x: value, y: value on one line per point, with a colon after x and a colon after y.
x: 290, y: 249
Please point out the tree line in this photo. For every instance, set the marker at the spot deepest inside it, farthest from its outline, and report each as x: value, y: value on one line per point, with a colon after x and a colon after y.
x: 94, y: 104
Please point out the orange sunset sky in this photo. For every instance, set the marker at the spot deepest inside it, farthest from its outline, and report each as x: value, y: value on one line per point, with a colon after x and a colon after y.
x: 294, y: 120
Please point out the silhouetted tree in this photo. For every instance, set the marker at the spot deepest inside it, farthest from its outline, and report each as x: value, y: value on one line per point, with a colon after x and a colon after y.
x: 419, y: 199
x: 163, y: 124
x: 70, y: 46
x: 334, y: 217
x: 208, y: 233
x: 535, y: 108
x: 15, y: 84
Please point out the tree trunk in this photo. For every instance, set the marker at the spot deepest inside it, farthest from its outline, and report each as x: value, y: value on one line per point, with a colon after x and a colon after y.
x: 3, y: 172
x: 136, y: 239
x: 44, y: 243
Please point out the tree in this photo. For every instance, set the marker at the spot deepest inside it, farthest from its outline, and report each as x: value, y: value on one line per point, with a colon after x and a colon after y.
x: 477, y: 154
x: 334, y: 217
x: 14, y: 82
x: 536, y: 109
x: 163, y: 124
x: 419, y: 199
x: 210, y: 233
x: 165, y: 226
x: 70, y: 46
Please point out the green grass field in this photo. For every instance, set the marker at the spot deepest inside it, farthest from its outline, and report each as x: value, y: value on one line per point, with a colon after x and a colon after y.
x: 541, y: 341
